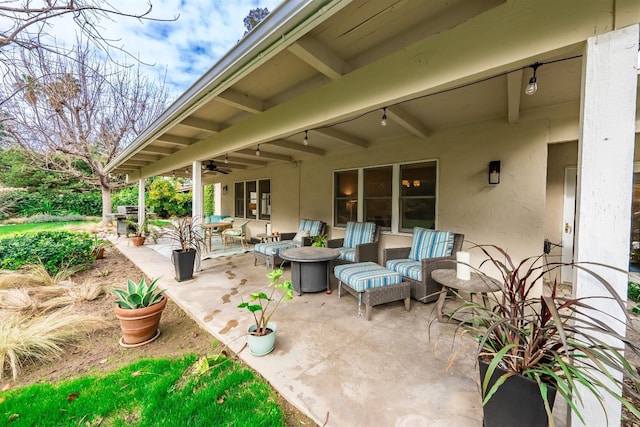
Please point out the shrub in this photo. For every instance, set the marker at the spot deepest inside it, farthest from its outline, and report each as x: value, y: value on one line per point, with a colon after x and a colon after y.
x: 87, y: 203
x: 55, y: 249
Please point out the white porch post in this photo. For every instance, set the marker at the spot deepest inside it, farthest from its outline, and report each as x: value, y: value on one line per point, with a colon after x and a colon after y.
x: 141, y: 200
x: 605, y: 167
x: 197, y: 192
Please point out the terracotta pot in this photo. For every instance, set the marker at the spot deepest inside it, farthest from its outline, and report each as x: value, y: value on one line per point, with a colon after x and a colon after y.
x: 99, y: 253
x: 140, y: 325
x: 138, y: 240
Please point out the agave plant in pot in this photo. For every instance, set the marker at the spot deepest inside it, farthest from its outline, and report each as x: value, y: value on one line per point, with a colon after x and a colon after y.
x: 186, y: 233
x: 139, y: 308
x: 535, y: 345
x: 262, y: 334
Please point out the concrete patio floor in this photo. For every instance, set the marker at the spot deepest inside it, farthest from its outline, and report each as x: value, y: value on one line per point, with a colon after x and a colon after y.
x: 336, y: 367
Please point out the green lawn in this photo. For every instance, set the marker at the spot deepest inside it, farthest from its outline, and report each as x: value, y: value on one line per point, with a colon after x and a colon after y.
x: 7, y: 230
x: 183, y: 392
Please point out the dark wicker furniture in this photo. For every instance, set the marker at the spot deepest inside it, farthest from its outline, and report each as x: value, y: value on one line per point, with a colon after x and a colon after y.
x: 427, y: 290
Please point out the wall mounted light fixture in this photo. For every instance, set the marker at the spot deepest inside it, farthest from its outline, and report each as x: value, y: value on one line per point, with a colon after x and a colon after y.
x: 225, y: 189
x: 494, y: 172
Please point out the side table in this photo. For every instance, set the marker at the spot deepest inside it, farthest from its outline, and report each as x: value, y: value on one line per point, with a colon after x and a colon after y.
x: 477, y: 284
x: 266, y: 238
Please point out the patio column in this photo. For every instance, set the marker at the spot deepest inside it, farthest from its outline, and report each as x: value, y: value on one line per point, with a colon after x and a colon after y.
x: 197, y: 192
x: 141, y: 200
x: 605, y: 168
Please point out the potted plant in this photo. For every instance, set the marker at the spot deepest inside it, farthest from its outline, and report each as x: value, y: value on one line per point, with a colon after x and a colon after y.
x: 543, y: 344
x: 137, y: 232
x: 139, y: 308
x: 186, y: 233
x: 98, y: 246
x: 262, y: 334
x: 319, y: 241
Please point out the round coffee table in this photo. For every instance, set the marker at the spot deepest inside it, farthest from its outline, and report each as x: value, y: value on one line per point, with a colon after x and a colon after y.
x: 477, y: 284
x: 310, y: 267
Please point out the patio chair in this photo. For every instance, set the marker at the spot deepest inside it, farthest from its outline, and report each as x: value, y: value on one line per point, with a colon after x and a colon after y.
x: 430, y: 250
x: 235, y: 233
x: 269, y: 252
x: 360, y: 244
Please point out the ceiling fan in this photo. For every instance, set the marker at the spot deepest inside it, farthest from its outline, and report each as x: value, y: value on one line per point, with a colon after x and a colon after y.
x: 210, y: 166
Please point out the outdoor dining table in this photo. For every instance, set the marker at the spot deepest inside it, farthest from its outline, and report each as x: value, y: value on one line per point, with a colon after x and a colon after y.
x: 310, y: 267
x: 211, y: 226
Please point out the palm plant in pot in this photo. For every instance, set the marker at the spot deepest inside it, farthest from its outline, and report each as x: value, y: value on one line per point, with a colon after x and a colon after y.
x: 262, y: 334
x: 139, y: 308
x: 186, y: 233
x: 547, y: 343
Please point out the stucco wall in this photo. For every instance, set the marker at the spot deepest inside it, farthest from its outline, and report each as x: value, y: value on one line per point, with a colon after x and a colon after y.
x: 510, y: 214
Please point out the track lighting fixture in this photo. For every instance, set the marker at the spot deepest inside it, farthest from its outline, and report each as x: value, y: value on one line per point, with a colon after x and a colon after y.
x: 306, y: 138
x: 532, y: 87
x: 383, y: 122
x: 258, y: 150
x: 226, y: 158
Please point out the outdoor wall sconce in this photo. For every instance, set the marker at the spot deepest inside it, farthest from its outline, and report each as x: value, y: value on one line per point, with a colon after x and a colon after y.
x: 225, y: 189
x: 494, y: 172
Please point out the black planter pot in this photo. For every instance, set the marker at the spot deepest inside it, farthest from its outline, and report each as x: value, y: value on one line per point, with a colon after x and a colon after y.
x: 183, y: 263
x: 517, y: 402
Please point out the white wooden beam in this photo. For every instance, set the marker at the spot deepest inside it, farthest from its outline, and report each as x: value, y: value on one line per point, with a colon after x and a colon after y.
x: 605, y: 177
x: 514, y: 91
x: 342, y: 137
x: 241, y: 160
x: 175, y: 140
x: 241, y: 101
x: 141, y: 197
x: 150, y: 149
x: 297, y: 147
x: 197, y: 195
x: 200, y: 124
x: 318, y: 56
x: 399, y: 116
x: 266, y: 155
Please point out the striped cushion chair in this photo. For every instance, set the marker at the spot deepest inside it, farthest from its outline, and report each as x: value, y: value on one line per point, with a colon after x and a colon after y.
x: 269, y: 252
x: 430, y: 250
x: 360, y: 244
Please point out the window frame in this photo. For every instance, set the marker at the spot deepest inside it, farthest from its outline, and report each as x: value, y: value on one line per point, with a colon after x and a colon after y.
x: 395, y: 195
x: 245, y: 201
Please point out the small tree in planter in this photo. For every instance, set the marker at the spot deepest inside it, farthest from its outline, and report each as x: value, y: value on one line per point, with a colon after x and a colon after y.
x: 186, y: 232
x: 262, y: 334
x: 546, y: 343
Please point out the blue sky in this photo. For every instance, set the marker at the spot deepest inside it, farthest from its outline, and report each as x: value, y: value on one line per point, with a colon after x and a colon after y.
x: 185, y: 49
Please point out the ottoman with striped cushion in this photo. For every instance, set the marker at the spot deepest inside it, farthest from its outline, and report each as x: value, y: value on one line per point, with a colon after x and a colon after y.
x: 372, y: 284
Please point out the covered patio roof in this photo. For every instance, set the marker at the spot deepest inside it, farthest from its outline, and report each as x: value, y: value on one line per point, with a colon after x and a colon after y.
x: 330, y: 68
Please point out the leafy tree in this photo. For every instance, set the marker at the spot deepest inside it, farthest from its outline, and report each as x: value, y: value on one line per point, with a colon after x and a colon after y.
x: 254, y: 17
x: 208, y: 200
x: 165, y: 200
x: 76, y: 114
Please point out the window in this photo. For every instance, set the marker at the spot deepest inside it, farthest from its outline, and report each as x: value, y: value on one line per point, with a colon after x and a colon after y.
x: 253, y: 199
x: 239, y: 199
x: 378, y: 189
x: 418, y: 195
x: 396, y: 197
x: 346, y: 197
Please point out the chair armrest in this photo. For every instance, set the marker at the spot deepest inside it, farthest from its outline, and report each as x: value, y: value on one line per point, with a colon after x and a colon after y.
x: 335, y: 243
x: 431, y: 264
x: 396, y: 253
x: 367, y: 252
x: 287, y: 236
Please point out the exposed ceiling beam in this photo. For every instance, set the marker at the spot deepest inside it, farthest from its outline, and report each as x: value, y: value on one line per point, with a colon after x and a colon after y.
x: 200, y: 124
x: 241, y: 101
x: 514, y: 90
x: 150, y: 149
x: 225, y: 165
x: 265, y: 155
x: 221, y: 160
x: 399, y: 116
x: 175, y: 140
x: 342, y: 137
x: 297, y: 147
x: 145, y: 156
x: 136, y: 163
x: 316, y: 54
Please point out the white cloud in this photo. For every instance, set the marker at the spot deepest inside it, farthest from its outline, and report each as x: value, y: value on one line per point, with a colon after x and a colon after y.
x: 186, y: 48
